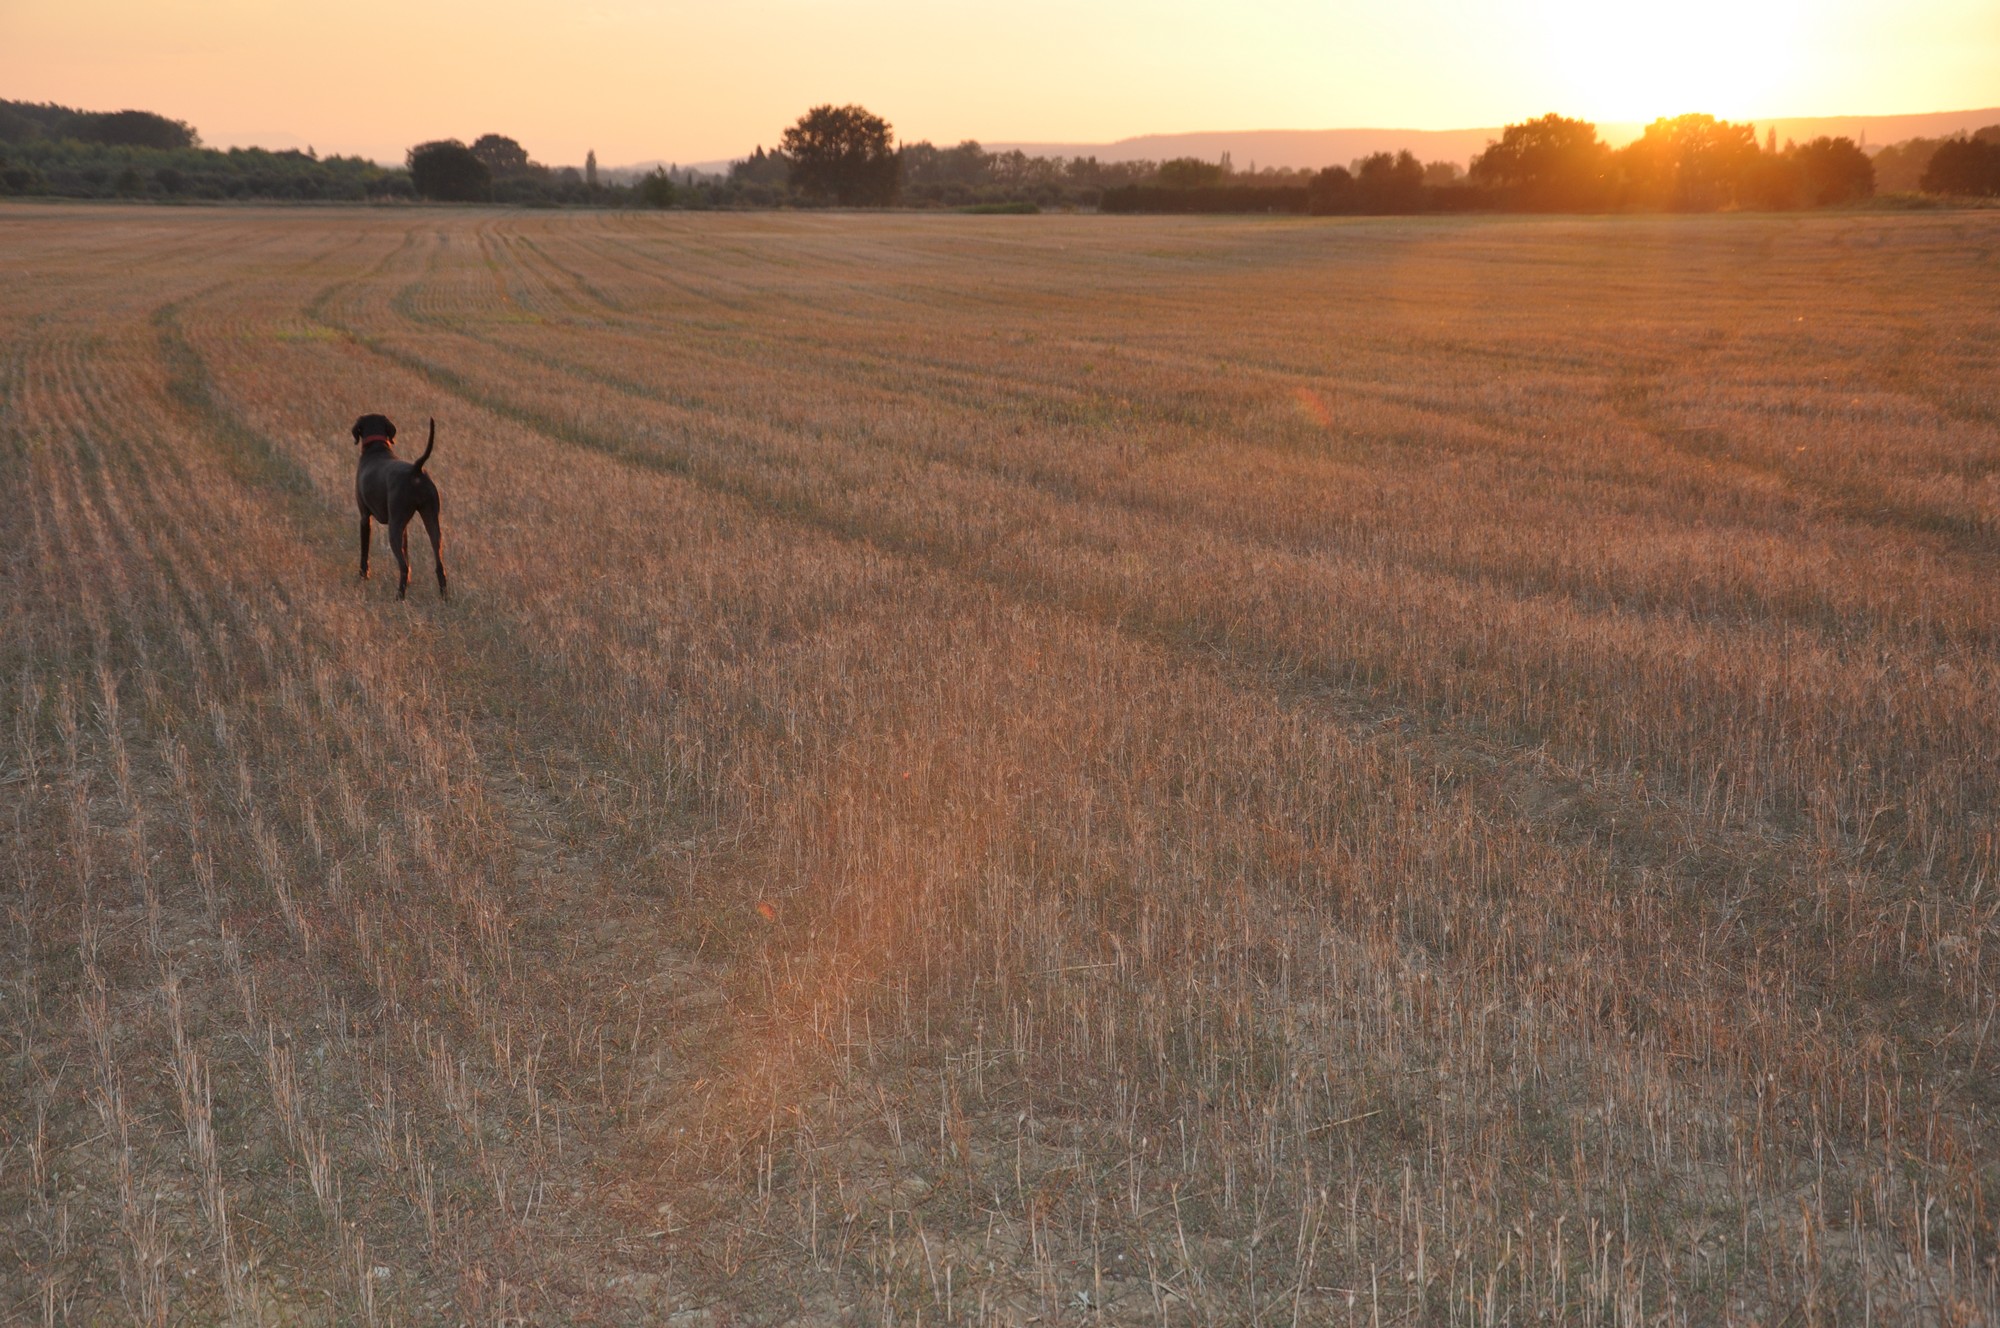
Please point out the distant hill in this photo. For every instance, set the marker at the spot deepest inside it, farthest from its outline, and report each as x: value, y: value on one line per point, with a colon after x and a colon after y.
x: 1873, y: 132
x: 1286, y: 148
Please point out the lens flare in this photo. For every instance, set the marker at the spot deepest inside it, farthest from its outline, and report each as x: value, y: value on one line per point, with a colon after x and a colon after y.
x: 1313, y: 406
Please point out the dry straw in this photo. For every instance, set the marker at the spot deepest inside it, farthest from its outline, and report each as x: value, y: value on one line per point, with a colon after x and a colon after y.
x: 1184, y: 771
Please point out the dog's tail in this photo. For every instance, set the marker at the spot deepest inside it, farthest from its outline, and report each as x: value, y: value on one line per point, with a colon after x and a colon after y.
x: 428, y: 445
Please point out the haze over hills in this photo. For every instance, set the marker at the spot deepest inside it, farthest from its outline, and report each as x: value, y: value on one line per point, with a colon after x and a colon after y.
x: 1313, y: 148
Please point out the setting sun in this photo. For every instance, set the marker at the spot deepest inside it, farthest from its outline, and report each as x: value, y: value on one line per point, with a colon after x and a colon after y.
x: 1637, y: 63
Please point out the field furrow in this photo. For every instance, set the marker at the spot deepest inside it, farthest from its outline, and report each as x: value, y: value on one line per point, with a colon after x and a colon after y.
x: 1175, y: 772
x: 1739, y: 761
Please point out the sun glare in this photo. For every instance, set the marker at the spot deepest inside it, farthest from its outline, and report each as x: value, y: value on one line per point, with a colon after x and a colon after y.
x: 1639, y: 62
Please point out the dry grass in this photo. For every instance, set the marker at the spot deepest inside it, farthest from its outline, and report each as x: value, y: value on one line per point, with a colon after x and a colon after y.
x: 984, y: 771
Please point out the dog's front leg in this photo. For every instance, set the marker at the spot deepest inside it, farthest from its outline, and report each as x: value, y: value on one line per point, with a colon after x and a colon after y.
x: 364, y: 545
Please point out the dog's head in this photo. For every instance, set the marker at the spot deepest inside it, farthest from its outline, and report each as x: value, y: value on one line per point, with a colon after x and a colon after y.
x: 374, y: 428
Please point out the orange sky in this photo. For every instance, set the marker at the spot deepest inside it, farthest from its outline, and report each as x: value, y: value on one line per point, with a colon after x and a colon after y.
x: 642, y: 79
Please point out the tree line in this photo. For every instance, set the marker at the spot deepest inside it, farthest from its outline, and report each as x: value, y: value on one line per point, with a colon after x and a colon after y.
x: 842, y: 156
x: 1686, y: 163
x: 48, y: 149
x: 52, y: 150
x: 848, y: 156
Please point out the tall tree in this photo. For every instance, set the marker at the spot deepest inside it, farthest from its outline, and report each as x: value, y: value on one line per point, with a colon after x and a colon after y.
x: 1900, y: 166
x: 445, y: 169
x: 1964, y: 166
x: 1331, y: 192
x: 1834, y: 170
x: 926, y: 166
x: 1691, y: 163
x: 502, y: 155
x: 1386, y: 183
x: 1554, y: 163
x: 763, y: 168
x: 1191, y: 173
x: 843, y: 154
x: 657, y: 190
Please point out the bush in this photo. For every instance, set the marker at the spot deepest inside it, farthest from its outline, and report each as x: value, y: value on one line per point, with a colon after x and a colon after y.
x: 19, y: 179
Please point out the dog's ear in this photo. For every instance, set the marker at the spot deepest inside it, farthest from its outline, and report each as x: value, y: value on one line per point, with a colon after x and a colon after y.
x: 357, y: 429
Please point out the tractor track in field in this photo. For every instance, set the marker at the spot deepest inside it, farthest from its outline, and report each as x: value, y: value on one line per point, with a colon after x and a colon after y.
x: 1054, y: 483
x: 125, y: 486
x: 1640, y: 838
x: 531, y: 941
x: 143, y: 484
x: 1112, y: 606
x: 679, y: 1059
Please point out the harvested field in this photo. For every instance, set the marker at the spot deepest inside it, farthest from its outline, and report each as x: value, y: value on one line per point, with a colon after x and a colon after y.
x: 1002, y: 770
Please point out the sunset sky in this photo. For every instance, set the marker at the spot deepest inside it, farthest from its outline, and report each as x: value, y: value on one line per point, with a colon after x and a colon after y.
x: 642, y: 79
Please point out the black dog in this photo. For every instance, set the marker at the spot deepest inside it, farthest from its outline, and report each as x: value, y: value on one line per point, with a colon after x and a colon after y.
x: 392, y: 491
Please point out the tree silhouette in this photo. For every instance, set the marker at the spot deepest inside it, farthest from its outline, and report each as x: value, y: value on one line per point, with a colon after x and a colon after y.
x: 1331, y: 192
x: 842, y: 153
x: 1190, y: 173
x: 135, y: 129
x: 446, y: 169
x: 1691, y: 163
x: 657, y: 190
x: 761, y: 167
x: 1553, y: 163
x: 1964, y: 166
x: 967, y: 164
x: 1834, y: 170
x: 1386, y: 183
x: 502, y: 155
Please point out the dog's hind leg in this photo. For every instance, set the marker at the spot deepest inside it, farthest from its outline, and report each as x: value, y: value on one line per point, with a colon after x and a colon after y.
x: 399, y: 544
x: 430, y: 516
x: 365, y: 532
